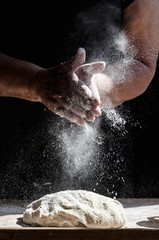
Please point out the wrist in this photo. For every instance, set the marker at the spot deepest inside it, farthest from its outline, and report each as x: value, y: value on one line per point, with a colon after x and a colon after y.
x: 27, y: 87
x: 38, y: 84
x: 18, y: 78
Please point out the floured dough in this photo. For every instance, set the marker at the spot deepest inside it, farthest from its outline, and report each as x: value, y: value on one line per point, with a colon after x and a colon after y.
x: 76, y: 208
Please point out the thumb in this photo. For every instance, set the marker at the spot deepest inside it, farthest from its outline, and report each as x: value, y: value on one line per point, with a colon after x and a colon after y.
x: 77, y: 60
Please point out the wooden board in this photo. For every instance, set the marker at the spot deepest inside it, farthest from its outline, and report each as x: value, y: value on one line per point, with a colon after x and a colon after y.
x: 79, y: 234
x: 137, y: 211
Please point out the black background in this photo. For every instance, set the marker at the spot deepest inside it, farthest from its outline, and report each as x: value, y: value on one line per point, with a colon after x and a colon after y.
x: 43, y: 35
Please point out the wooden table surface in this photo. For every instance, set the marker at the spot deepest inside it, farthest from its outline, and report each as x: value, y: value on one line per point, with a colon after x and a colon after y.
x: 141, y: 224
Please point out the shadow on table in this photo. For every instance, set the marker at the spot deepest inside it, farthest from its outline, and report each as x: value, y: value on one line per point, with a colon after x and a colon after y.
x: 21, y: 223
x: 150, y: 223
x: 138, y: 202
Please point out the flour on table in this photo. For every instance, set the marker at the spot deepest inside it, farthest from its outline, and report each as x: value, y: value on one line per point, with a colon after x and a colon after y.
x: 75, y: 208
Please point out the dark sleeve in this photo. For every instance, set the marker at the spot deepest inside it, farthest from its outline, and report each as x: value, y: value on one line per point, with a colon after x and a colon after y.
x: 126, y: 3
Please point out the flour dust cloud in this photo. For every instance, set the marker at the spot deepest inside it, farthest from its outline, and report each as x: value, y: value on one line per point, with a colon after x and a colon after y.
x: 96, y: 153
x: 86, y: 153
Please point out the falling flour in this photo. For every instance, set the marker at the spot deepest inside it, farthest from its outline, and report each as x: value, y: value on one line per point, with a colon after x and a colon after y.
x: 79, y: 146
x: 81, y: 149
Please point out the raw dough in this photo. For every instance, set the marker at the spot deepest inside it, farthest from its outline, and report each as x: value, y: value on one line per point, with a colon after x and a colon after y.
x: 75, y: 208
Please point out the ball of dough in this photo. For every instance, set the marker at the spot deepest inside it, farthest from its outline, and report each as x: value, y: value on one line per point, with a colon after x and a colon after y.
x: 75, y: 208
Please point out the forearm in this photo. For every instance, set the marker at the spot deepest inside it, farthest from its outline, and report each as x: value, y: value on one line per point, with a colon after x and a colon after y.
x: 131, y: 76
x: 17, y: 78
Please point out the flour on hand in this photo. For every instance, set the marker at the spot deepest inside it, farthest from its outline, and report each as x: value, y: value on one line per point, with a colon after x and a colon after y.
x: 75, y: 208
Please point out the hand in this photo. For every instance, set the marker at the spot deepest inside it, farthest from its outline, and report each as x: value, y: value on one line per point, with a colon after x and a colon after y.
x: 86, y: 73
x: 60, y: 90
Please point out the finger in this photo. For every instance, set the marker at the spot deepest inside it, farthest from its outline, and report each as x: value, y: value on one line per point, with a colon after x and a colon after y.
x: 79, y: 111
x: 75, y: 105
x: 77, y: 60
x: 75, y: 114
x: 95, y: 95
x: 90, y: 116
x: 86, y: 93
x: 69, y: 115
x: 81, y: 89
x: 97, y: 112
x: 78, y: 100
x: 83, y: 113
x: 93, y: 68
